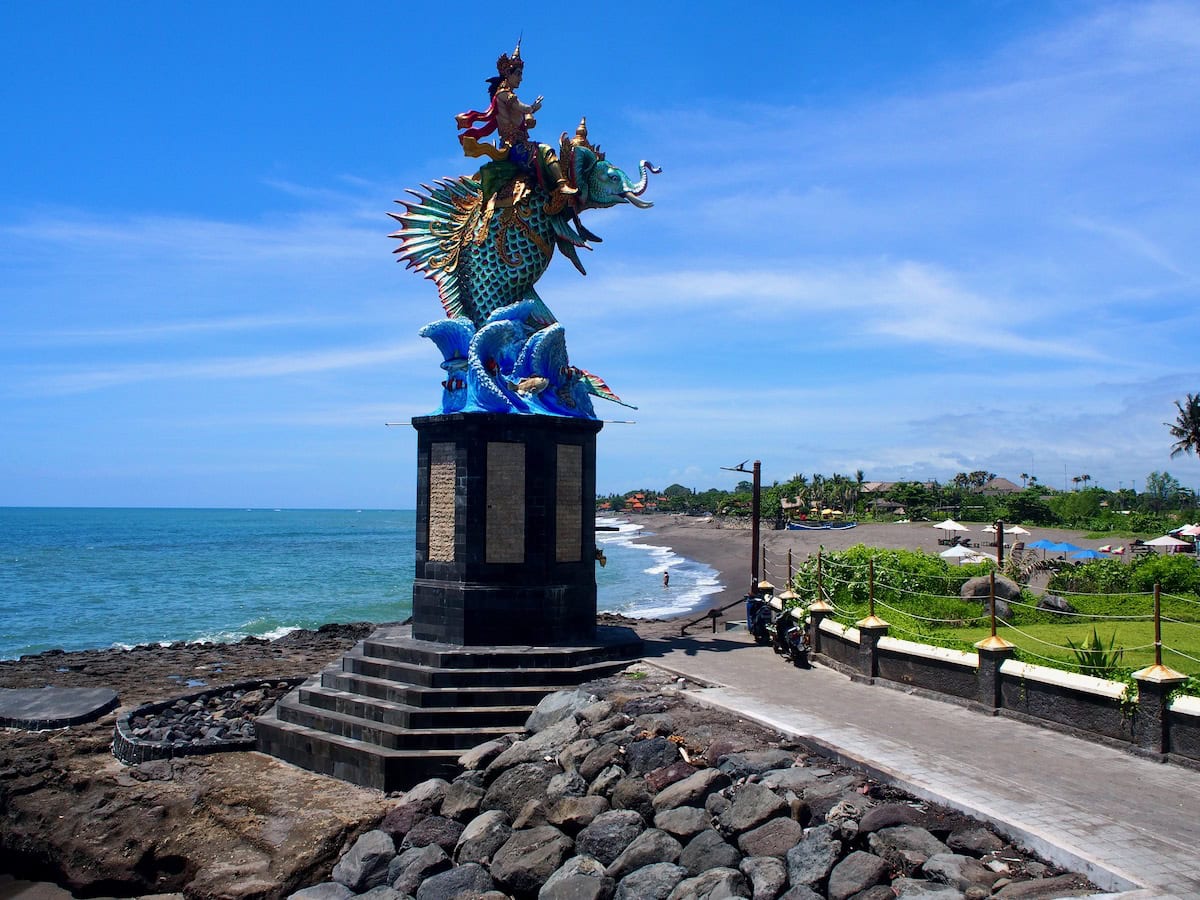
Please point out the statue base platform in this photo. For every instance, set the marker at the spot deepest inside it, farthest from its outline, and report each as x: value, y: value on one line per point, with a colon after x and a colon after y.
x: 396, y: 710
x: 506, y: 536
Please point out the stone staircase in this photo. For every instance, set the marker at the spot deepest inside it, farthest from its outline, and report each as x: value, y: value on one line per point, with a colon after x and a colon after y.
x: 395, y: 710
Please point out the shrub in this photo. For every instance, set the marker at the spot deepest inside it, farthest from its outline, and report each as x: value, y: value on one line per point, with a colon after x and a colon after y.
x: 1095, y: 659
x: 1176, y: 573
x: 1100, y: 576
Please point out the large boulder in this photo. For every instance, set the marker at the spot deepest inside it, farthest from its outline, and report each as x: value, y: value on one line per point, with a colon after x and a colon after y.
x: 1055, y: 603
x: 773, y: 838
x: 647, y: 755
x: 461, y: 882
x: 579, y: 878
x: 517, y: 786
x: 483, y: 836
x: 654, y: 882
x: 572, y: 814
x: 811, y: 860
x: 888, y: 814
x: 410, y: 868
x: 979, y: 590
x: 856, y: 873
x: 706, y: 850
x: 433, y: 830
x: 529, y: 858
x: 714, y: 884
x: 365, y: 864
x: 556, y: 707
x: 752, y: 805
x: 684, y: 822
x: 609, y: 834
x: 650, y: 847
x: 962, y: 872
x: 768, y: 876
x: 691, y: 791
x: 755, y: 762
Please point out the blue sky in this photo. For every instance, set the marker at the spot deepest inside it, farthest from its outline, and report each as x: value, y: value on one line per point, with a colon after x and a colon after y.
x: 910, y: 238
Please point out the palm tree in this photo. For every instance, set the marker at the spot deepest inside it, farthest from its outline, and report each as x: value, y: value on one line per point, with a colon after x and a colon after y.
x: 1024, y: 479
x: 1076, y: 479
x: 1085, y: 479
x: 1186, y: 429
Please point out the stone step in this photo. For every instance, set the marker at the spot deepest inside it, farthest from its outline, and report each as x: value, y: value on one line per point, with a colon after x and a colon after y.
x: 351, y: 760
x: 390, y: 737
x: 436, y: 698
x: 490, y: 677
x: 392, y: 713
x: 399, y: 646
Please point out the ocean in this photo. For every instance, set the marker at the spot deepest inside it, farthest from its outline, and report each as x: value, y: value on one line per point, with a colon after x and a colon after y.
x: 80, y: 579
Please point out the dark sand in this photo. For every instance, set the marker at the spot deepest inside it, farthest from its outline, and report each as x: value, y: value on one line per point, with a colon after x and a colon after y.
x: 727, y: 548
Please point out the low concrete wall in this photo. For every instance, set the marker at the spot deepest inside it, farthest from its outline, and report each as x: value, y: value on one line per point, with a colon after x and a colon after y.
x: 840, y: 643
x: 1075, y: 701
x: 940, y: 669
x: 1183, y: 727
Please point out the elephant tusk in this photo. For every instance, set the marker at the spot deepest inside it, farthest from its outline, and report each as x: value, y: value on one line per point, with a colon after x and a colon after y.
x: 636, y: 200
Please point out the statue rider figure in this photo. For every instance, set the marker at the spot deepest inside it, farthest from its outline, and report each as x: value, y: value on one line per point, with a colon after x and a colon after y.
x: 511, y: 120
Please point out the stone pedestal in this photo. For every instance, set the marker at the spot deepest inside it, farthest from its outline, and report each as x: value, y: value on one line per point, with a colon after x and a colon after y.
x: 506, y: 535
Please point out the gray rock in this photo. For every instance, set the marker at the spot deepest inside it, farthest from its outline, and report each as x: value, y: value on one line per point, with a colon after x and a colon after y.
x: 609, y: 834
x: 1054, y: 603
x: 579, y: 878
x: 596, y: 712
x: 684, y: 822
x: 365, y: 864
x: 556, y: 707
x: 407, y: 871
x: 831, y: 787
x: 974, y: 842
x: 1042, y: 889
x: 529, y: 858
x: 755, y: 762
x: 717, y: 804
x: 603, y: 756
x: 691, y: 791
x: 402, y: 818
x: 483, y: 836
x: 654, y: 882
x: 572, y: 814
x: 430, y: 791
x: 532, y: 814
x: 752, y: 805
x: 855, y: 873
x: 465, y: 882
x: 433, y: 830
x: 632, y: 793
x: 978, y: 590
x: 888, y: 814
x: 329, y: 890
x: 676, y: 771
x: 796, y: 778
x: 383, y: 892
x: 959, y: 871
x: 708, y: 850
x: 767, y: 875
x: 650, y: 847
x: 714, y: 884
x: 773, y: 838
x: 604, y: 783
x: 547, y: 743
x: 565, y: 784
x: 575, y: 753
x: 800, y: 892
x: 811, y: 860
x: 480, y: 755
x: 609, y: 729
x: 517, y: 786
x: 906, y: 847
x: 462, y: 800
x: 881, y: 892
x: 646, y: 756
x: 919, y: 889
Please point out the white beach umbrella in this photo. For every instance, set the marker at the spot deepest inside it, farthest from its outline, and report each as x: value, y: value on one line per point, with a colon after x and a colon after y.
x: 1193, y: 530
x: 959, y: 552
x: 1015, y: 529
x: 951, y: 525
x: 1167, y: 541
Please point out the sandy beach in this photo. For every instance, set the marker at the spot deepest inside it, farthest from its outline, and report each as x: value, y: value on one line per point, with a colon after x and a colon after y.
x: 727, y: 549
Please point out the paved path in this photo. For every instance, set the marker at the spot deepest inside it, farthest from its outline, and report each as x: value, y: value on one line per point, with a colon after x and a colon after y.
x: 1128, y: 823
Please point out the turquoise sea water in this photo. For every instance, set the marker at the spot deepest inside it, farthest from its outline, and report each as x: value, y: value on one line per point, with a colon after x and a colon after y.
x: 88, y: 578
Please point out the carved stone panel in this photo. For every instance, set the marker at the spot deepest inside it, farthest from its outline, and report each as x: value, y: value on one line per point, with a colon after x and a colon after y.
x: 568, y: 528
x: 442, y: 474
x: 505, y: 529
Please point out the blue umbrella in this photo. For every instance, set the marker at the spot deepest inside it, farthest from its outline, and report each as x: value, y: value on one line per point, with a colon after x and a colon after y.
x: 1043, y: 544
x: 1063, y: 547
x: 1088, y: 554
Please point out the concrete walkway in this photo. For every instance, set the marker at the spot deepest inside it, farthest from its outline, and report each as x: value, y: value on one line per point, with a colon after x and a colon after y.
x: 1128, y: 823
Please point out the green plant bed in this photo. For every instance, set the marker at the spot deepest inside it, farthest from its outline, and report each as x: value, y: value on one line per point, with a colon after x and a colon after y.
x: 1184, y: 638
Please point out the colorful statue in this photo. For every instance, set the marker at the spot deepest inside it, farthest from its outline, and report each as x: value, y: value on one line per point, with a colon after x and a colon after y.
x: 485, y: 241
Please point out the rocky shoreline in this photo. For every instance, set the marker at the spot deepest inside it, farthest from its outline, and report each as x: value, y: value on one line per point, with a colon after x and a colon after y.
x: 626, y: 777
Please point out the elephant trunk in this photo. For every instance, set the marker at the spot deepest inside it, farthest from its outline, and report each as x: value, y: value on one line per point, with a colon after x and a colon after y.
x: 647, y: 168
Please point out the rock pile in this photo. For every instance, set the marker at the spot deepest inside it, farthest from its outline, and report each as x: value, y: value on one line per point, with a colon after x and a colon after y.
x: 631, y: 799
x: 203, y: 722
